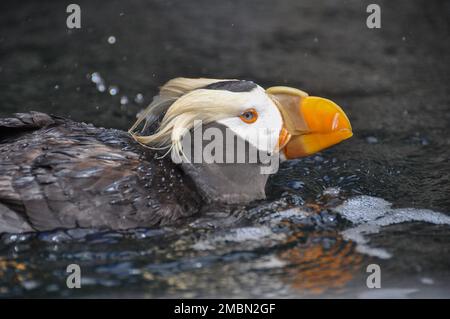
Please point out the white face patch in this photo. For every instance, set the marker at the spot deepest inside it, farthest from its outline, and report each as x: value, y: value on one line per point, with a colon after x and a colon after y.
x: 264, y: 133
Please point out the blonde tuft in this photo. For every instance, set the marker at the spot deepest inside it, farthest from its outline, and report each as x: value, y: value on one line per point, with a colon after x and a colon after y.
x: 182, y: 101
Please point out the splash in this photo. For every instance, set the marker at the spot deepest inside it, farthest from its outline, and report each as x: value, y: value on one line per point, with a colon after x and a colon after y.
x: 370, y: 214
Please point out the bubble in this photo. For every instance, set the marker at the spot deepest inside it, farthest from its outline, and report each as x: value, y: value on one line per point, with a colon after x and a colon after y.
x: 56, y: 87
x: 113, y: 90
x: 112, y: 39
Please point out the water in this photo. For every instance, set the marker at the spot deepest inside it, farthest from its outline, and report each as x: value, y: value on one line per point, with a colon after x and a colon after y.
x: 274, y: 249
x: 381, y: 197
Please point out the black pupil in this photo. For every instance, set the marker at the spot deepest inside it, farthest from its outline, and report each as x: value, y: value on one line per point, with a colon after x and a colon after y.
x: 248, y: 115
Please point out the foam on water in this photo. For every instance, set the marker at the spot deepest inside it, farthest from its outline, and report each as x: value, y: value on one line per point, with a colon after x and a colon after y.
x: 370, y: 214
x: 237, y: 235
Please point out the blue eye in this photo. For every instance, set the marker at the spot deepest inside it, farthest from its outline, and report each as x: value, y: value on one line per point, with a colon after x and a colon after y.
x: 249, y: 116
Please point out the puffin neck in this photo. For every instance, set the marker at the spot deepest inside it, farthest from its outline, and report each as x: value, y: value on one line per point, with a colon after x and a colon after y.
x: 228, y: 183
x: 224, y: 181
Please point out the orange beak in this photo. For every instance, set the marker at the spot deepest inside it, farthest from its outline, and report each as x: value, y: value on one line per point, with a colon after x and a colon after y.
x: 311, y: 123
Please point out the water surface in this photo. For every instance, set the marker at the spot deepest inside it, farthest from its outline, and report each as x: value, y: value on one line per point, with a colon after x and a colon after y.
x: 381, y: 197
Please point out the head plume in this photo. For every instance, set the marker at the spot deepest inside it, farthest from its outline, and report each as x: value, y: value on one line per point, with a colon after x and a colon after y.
x: 180, y: 102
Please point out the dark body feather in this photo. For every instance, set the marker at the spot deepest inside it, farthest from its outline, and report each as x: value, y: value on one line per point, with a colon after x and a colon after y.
x: 56, y: 173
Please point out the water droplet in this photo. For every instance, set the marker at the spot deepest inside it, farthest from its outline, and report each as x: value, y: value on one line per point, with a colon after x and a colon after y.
x: 113, y: 90
x: 56, y: 87
x: 427, y: 281
x: 112, y: 39
x: 139, y: 98
x: 332, y: 191
x: 318, y: 158
x: 124, y: 100
x: 101, y: 87
x: 296, y: 184
x: 96, y: 78
x: 371, y: 140
x: 30, y: 284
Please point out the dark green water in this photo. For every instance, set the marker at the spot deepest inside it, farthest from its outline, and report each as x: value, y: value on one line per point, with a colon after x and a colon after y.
x: 392, y: 83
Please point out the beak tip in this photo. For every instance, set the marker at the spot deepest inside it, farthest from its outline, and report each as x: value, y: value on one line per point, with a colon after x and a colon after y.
x: 348, y: 135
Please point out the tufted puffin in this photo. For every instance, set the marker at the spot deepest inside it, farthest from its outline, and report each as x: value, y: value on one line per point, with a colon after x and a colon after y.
x: 57, y: 173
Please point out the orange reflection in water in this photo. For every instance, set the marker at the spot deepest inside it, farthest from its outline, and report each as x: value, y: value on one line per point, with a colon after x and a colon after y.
x: 15, y: 271
x: 323, y: 262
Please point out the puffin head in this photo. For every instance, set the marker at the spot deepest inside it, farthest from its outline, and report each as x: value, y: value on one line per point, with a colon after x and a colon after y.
x: 281, y: 122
